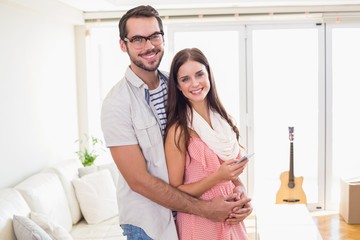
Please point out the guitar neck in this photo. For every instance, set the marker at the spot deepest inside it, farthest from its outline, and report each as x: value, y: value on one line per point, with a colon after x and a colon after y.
x: 291, y: 171
x: 291, y: 183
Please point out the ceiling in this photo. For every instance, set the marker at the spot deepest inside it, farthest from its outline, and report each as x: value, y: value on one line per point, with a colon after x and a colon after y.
x: 122, y: 5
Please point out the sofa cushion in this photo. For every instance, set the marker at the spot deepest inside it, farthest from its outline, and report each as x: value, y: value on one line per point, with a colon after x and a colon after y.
x: 95, y: 168
x: 45, y: 194
x: 97, y: 196
x: 106, y: 230
x: 11, y: 202
x: 26, y: 229
x: 56, y: 232
x: 67, y: 170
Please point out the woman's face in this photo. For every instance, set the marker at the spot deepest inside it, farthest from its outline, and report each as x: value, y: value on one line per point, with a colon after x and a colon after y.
x: 193, y: 81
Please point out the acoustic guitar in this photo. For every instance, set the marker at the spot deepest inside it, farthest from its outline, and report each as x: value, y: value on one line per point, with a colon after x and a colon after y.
x: 291, y: 187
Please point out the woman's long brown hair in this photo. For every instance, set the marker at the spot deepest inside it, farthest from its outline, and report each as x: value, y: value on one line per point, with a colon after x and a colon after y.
x: 177, y: 103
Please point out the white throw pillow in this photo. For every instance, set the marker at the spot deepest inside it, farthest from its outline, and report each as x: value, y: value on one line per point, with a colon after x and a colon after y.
x: 97, y: 196
x: 55, y: 231
x: 26, y: 229
x: 95, y: 168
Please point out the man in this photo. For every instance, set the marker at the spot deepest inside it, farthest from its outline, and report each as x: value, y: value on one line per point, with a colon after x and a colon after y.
x: 133, y: 121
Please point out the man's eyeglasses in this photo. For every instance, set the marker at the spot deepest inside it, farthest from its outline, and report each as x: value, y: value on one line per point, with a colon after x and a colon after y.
x: 140, y: 41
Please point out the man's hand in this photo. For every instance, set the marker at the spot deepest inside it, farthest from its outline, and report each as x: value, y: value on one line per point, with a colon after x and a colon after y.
x: 221, y: 207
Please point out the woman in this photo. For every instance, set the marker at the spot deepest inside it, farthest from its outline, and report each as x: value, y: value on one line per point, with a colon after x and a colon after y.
x: 201, y: 146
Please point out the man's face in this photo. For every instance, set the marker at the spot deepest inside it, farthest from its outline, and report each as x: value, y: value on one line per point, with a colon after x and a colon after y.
x: 149, y: 55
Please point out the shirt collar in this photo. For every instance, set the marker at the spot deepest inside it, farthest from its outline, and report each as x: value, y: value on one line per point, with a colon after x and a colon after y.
x: 137, y: 82
x: 134, y: 79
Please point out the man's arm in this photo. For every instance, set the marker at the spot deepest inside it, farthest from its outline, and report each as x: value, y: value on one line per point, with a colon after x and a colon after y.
x: 141, y: 181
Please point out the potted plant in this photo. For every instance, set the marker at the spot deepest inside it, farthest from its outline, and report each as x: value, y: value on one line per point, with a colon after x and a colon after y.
x: 89, y: 149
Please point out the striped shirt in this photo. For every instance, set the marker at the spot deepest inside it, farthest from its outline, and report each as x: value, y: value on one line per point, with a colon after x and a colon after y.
x: 158, y: 98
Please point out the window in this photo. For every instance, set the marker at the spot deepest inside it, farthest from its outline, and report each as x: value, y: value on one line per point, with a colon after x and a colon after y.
x: 285, y: 78
x: 222, y: 47
x: 344, y: 111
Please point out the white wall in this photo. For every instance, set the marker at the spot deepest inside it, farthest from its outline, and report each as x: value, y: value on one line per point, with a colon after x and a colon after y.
x: 38, y: 121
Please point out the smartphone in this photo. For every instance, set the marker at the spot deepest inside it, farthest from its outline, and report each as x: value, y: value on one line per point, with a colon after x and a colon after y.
x: 247, y: 156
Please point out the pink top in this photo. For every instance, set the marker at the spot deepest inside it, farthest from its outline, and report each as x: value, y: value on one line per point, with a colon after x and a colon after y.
x: 201, y: 161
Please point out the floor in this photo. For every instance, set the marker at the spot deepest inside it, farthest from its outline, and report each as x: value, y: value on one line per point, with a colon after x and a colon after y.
x: 333, y: 227
x: 330, y: 224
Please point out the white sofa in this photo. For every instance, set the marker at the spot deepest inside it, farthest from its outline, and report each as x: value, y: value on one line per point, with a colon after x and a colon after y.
x: 65, y: 201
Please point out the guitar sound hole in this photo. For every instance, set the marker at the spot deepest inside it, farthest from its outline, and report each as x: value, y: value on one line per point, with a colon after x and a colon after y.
x: 291, y: 185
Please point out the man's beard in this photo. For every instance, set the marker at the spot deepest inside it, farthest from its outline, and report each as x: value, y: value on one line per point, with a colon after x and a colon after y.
x: 141, y: 65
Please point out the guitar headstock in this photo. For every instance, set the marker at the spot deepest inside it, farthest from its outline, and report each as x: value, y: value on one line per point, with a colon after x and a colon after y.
x: 291, y: 134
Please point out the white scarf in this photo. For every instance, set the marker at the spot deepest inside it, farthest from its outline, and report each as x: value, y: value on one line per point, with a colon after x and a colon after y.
x: 220, y: 138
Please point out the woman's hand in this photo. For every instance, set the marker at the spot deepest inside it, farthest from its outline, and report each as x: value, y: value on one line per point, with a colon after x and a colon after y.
x: 229, y: 170
x: 240, y: 213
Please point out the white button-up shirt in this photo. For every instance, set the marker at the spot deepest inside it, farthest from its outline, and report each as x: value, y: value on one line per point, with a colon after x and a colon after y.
x: 128, y: 118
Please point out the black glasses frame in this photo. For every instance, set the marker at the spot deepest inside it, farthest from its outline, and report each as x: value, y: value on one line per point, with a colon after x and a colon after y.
x: 131, y: 40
